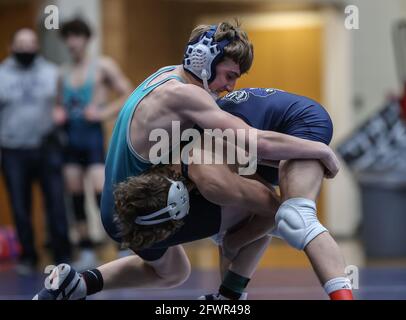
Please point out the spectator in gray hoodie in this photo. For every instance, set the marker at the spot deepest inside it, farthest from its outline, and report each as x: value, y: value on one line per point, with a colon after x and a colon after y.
x: 28, y: 88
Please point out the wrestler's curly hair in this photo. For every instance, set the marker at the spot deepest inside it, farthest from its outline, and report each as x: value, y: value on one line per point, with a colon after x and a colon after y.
x: 240, y: 49
x: 142, y: 195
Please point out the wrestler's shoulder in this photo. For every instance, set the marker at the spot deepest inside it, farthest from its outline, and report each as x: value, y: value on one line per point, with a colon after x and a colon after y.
x: 177, y: 92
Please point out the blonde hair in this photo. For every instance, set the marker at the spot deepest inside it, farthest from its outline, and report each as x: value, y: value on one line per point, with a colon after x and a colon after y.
x: 240, y: 49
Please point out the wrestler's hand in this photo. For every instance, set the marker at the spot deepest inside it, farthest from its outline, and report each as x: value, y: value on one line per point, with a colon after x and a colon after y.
x: 330, y: 162
x: 59, y: 115
x: 92, y: 113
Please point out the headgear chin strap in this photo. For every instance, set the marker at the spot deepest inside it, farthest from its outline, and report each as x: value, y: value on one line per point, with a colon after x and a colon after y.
x: 177, y: 206
x: 202, y: 56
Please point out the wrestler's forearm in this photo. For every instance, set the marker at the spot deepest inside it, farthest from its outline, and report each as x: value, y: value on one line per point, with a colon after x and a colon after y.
x: 277, y: 146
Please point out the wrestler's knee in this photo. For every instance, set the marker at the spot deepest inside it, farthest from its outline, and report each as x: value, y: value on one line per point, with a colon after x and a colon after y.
x: 297, y: 223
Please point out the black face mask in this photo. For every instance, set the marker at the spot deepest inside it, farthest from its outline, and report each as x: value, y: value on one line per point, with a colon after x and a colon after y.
x: 25, y: 59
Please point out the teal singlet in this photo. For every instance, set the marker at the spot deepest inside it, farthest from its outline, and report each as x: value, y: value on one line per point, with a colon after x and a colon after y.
x: 122, y: 160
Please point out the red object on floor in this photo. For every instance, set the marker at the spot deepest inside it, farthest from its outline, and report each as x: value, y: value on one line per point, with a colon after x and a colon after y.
x: 9, y: 245
x: 403, y: 103
x: 343, y: 294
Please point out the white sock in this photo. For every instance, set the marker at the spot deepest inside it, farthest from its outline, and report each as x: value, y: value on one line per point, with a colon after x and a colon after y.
x: 336, y: 284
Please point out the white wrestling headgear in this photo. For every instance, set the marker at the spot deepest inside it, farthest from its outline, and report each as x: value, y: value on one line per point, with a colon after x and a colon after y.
x: 177, y: 206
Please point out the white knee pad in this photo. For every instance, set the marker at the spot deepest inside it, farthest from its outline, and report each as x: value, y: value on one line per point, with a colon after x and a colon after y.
x: 296, y: 222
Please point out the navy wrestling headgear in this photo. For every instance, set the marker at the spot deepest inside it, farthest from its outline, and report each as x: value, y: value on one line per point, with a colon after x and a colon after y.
x: 203, y: 54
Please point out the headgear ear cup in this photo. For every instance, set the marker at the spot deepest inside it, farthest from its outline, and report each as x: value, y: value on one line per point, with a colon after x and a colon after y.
x: 177, y: 206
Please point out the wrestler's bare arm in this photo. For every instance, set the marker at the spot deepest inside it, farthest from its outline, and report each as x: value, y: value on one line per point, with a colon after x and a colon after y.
x: 218, y: 184
x: 193, y: 103
x: 118, y: 82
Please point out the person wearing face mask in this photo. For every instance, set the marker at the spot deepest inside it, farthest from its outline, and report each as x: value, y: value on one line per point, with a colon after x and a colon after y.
x: 28, y: 88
